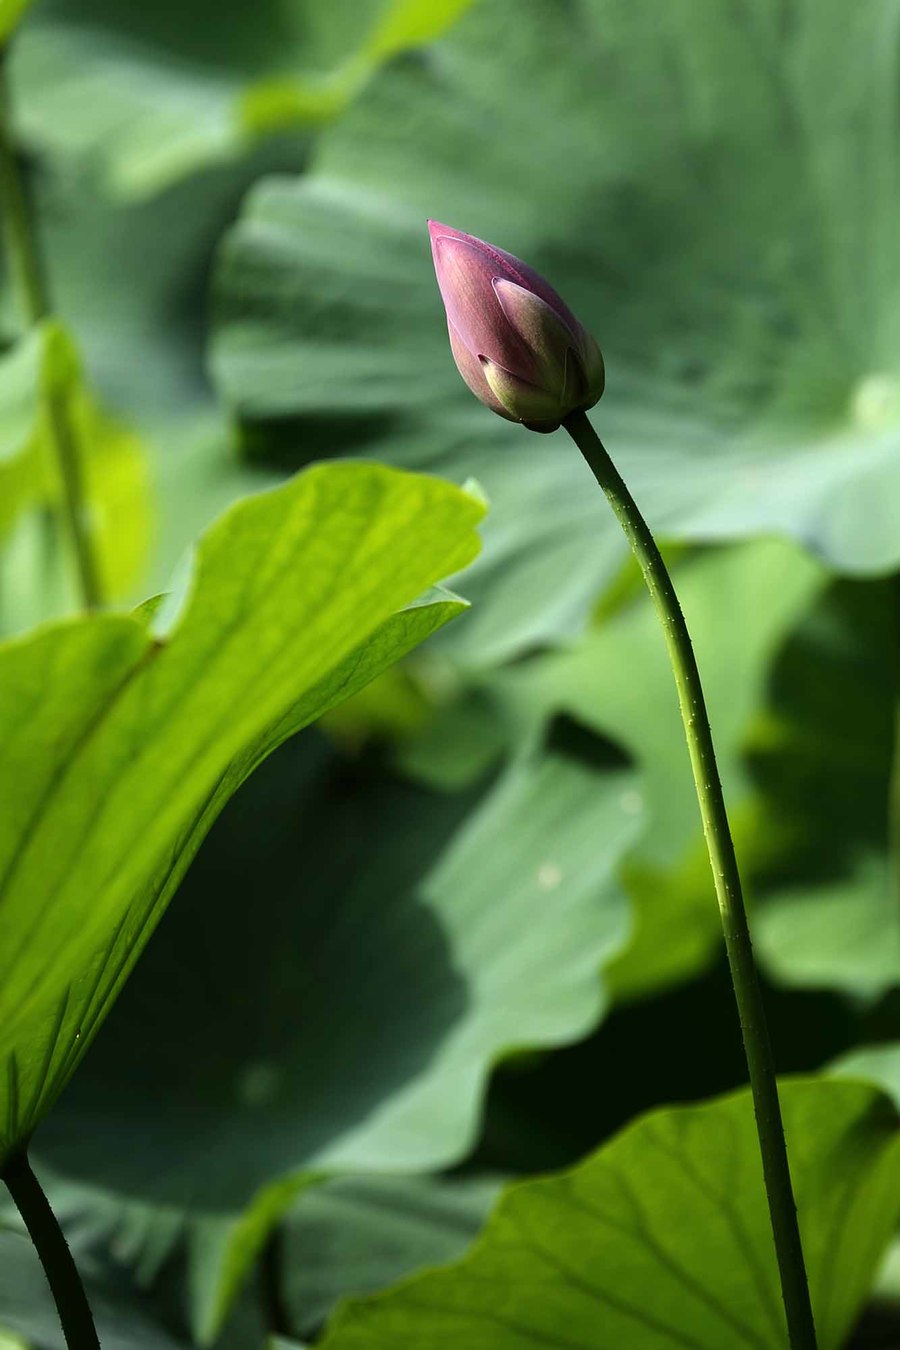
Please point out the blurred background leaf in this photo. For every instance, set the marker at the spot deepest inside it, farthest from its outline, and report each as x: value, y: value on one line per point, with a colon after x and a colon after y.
x: 145, y: 97
x: 752, y: 352
x: 35, y: 582
x: 826, y: 763
x: 739, y: 604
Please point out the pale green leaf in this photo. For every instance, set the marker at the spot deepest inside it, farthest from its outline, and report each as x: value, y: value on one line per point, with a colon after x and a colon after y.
x: 119, y: 748
x: 823, y: 763
x: 150, y: 97
x: 740, y: 604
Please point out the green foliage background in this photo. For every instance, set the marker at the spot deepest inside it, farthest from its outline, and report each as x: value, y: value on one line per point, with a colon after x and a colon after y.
x: 462, y: 930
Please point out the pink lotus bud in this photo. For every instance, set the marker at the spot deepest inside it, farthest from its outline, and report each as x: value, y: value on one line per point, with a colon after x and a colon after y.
x: 516, y: 345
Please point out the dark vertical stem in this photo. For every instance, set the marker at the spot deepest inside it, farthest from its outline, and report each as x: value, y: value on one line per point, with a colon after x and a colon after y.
x: 757, y: 1048
x: 25, y: 265
x: 272, y: 1284
x: 51, y: 1246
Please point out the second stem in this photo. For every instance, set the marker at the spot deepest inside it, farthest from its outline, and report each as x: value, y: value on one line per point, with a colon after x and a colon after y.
x: 26, y: 267
x: 757, y: 1048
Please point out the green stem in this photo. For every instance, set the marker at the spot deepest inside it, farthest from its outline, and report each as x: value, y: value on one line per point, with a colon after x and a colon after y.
x: 760, y: 1062
x: 52, y: 1248
x: 26, y: 267
x: 893, y: 830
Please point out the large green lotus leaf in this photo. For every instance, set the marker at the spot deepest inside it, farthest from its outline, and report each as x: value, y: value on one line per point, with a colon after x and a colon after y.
x: 398, y: 942
x: 714, y: 190
x: 148, y: 95
x: 662, y: 1238
x: 823, y: 765
x: 122, y: 742
x: 740, y: 604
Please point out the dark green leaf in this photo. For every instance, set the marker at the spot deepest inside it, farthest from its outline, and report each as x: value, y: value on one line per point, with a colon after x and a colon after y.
x: 438, y: 924
x: 398, y: 943
x: 662, y: 1239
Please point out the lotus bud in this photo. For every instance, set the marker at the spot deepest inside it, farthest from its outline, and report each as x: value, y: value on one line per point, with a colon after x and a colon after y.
x: 517, y: 346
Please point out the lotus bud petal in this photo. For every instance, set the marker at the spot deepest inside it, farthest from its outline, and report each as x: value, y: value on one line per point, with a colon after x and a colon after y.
x: 521, y: 401
x: 518, y: 347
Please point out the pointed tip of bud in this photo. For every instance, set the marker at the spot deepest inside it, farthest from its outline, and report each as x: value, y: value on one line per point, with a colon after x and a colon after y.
x: 516, y: 344
x: 436, y: 229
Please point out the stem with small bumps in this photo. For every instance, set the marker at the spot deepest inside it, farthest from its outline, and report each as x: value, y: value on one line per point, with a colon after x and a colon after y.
x: 53, y: 1250
x: 757, y: 1047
